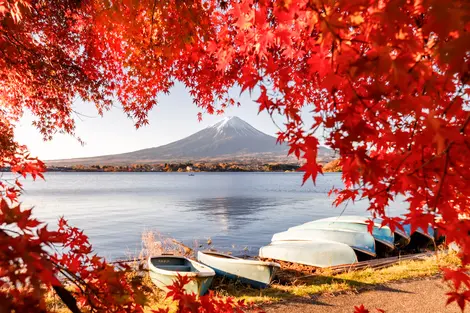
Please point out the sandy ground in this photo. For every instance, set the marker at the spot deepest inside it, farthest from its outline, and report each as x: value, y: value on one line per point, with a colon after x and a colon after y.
x: 421, y: 296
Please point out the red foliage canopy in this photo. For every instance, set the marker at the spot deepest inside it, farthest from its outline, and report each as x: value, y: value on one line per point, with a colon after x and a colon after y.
x: 386, y: 79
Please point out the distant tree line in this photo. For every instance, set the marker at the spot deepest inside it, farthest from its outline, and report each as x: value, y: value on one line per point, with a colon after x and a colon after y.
x: 333, y: 166
x: 180, y: 167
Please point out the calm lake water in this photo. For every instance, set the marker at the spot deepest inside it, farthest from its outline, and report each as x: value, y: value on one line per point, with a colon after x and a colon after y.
x: 238, y: 211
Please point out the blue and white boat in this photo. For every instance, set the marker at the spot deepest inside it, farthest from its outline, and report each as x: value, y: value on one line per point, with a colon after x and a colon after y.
x: 258, y: 274
x: 362, y: 242
x: 382, y: 235
x: 401, y: 238
x: 318, y: 253
x: 429, y: 233
x: 420, y: 238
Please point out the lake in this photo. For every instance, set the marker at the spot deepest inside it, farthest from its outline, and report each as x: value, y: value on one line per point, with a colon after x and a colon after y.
x: 239, y: 211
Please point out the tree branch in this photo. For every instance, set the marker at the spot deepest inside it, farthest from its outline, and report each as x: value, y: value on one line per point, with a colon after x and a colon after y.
x: 67, y: 298
x: 442, y: 181
x: 151, y: 25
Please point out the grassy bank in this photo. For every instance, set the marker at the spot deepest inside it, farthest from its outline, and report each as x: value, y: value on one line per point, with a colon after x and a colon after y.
x: 296, y: 286
x: 351, y: 281
x: 307, y: 286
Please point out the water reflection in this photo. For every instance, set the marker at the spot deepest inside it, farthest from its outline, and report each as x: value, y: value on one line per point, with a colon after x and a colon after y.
x: 231, y: 213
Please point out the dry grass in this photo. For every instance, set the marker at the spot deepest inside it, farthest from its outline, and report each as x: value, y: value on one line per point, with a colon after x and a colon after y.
x: 350, y: 281
x: 155, y: 243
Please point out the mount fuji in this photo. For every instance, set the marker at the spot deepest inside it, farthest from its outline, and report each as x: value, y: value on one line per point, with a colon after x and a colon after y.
x: 230, y: 139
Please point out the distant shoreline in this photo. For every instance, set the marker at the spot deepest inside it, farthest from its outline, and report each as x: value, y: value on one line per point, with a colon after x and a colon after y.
x: 181, y: 168
x: 188, y: 167
x: 93, y: 171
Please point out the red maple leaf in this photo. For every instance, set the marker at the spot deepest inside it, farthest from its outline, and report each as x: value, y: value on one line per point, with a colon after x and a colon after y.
x: 460, y: 297
x: 457, y: 276
x: 360, y: 309
x: 418, y: 219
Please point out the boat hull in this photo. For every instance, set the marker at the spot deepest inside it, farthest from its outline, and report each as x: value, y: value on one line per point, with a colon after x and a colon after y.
x: 317, y: 253
x: 382, y: 235
x: 420, y: 239
x: 255, y: 273
x: 401, y: 238
x: 164, y: 271
x: 359, y: 241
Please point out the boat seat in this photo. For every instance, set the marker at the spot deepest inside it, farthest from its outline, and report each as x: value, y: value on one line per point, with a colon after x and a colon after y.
x: 176, y: 268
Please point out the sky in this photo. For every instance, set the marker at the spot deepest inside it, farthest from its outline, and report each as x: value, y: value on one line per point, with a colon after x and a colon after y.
x: 174, y: 118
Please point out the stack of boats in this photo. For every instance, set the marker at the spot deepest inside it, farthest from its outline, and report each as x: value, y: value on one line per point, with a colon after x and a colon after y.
x: 342, y: 240
x: 321, y: 243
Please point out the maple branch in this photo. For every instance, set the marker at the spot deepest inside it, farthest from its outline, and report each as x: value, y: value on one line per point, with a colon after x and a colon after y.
x: 467, y: 144
x: 80, y: 115
x: 408, y: 154
x: 345, y: 207
x: 425, y: 182
x: 462, y: 129
x: 355, y: 91
x: 151, y: 25
x: 67, y: 298
x: 70, y: 276
x: 433, y: 158
x: 11, y: 231
x: 446, y: 164
x: 459, y: 94
x: 412, y: 134
x: 274, y: 122
x: 74, y: 279
x: 456, y: 168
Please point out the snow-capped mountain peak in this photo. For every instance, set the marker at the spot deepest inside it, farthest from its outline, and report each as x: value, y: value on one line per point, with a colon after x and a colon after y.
x: 223, y: 122
x: 230, y: 138
x: 233, y: 125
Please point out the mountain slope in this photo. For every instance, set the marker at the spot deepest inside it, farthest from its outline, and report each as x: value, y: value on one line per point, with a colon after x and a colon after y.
x: 230, y: 139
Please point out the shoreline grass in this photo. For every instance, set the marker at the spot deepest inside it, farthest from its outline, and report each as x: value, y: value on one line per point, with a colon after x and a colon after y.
x: 353, y: 281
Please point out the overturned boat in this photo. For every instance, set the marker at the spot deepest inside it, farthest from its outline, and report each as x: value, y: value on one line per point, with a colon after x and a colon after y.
x: 361, y: 242
x: 258, y: 274
x: 318, y: 253
x: 383, y: 236
x: 420, y: 238
x: 401, y: 237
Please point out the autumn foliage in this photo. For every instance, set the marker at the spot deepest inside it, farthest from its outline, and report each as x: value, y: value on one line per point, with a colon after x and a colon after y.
x: 209, y: 303
x: 30, y: 267
x: 385, y: 83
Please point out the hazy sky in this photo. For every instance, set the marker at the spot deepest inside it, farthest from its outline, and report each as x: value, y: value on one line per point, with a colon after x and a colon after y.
x: 174, y: 118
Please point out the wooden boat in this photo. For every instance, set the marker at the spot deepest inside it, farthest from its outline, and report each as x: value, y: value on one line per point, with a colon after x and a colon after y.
x: 362, y: 242
x: 165, y: 269
x: 382, y: 235
x: 319, y: 253
x: 401, y: 238
x: 255, y: 273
